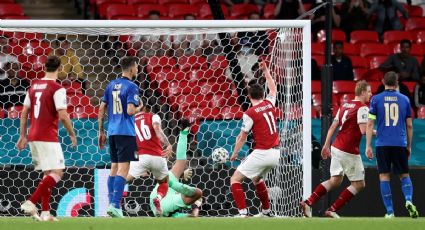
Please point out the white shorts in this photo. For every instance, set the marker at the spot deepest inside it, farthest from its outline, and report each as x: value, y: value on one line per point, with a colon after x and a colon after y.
x: 346, y: 163
x: 259, y: 163
x: 47, y: 155
x: 155, y: 164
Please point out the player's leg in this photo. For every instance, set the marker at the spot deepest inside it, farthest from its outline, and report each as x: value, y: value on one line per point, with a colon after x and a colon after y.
x: 114, y: 167
x: 401, y: 168
x: 181, y: 158
x: 28, y: 207
x: 353, y: 168
x: 45, y: 198
x: 158, y: 166
x: 383, y: 157
x: 195, y: 201
x: 238, y: 192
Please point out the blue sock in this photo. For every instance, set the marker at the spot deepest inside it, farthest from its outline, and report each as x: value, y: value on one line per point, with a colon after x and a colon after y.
x: 407, y: 188
x: 118, y: 191
x: 387, y: 197
x: 111, y: 180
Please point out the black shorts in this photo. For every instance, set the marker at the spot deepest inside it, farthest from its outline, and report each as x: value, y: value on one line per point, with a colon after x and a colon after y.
x: 122, y: 148
x: 394, y: 156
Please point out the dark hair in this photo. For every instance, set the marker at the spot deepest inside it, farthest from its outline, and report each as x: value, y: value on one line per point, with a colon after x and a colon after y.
x: 339, y: 43
x: 406, y: 41
x: 256, y: 91
x: 128, y: 62
x: 390, y: 79
x: 154, y: 12
x: 52, y: 63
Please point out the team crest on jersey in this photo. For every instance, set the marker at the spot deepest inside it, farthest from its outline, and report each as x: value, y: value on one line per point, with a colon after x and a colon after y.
x: 364, y: 116
x: 136, y: 97
x: 117, y: 86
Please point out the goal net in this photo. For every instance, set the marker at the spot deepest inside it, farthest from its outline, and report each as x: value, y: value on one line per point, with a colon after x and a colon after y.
x: 188, y: 69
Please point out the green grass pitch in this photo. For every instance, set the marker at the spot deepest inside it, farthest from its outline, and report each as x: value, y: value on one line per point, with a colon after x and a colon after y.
x: 215, y: 224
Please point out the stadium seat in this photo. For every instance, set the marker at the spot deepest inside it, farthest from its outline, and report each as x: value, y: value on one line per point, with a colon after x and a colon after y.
x: 157, y: 64
x: 318, y: 48
x: 364, y: 36
x: 33, y: 65
x: 268, y: 11
x: 368, y: 50
x: 84, y: 112
x: 215, y: 87
x: 187, y: 63
x: 193, y: 101
x: 350, y: 49
x: 36, y: 48
x: 102, y: 6
x: 373, y: 75
x: 415, y: 11
x: 167, y: 2
x: 316, y: 99
x: 358, y: 73
x: 320, y: 60
x: 337, y: 35
x: 233, y: 112
x: 395, y: 36
x: 180, y: 10
x: 413, y: 24
x: 144, y: 9
x: 410, y: 85
x: 241, y: 10
x: 316, y: 86
x: 120, y: 10
x: 2, y: 113
x: 9, y: 9
x: 7, y: 1
x: 205, y: 11
x: 197, y: 2
x: 419, y: 36
x: 374, y: 85
x: 359, y: 62
x: 14, y: 112
x: 343, y: 86
x: 167, y: 74
x: 376, y: 61
x: 202, y: 113
x: 346, y: 97
x: 77, y: 100
x: 73, y: 88
x: 15, y: 17
x: 419, y: 58
x: 416, y: 50
x: 138, y: 2
x: 421, y: 113
x: 19, y: 37
x: 222, y: 100
x: 180, y: 87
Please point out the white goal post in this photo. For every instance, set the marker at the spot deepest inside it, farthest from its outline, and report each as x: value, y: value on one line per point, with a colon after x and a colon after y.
x: 288, y: 53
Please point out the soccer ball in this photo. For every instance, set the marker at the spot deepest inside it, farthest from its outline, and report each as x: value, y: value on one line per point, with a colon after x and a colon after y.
x: 220, y: 155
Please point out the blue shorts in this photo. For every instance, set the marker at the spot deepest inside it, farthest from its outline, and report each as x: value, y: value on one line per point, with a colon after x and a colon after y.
x: 122, y: 148
x: 392, y: 157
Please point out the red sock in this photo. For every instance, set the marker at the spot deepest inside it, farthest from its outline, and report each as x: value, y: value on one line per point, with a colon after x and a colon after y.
x: 42, y: 189
x: 162, y: 189
x: 263, y: 195
x: 343, y: 198
x: 45, y: 200
x: 238, y: 195
x: 318, y: 192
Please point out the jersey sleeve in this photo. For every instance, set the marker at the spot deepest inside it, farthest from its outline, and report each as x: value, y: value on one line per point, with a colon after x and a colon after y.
x: 105, y: 97
x: 373, y: 108
x: 133, y: 95
x: 60, y: 99
x: 247, y: 123
x: 362, y: 115
x: 336, y: 119
x: 271, y: 99
x: 156, y: 119
x: 27, y: 101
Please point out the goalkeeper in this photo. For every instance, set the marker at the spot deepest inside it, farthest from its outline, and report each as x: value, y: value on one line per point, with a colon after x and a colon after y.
x: 179, y: 196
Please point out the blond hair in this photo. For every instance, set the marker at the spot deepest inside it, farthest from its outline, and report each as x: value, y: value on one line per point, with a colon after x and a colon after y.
x: 361, y: 86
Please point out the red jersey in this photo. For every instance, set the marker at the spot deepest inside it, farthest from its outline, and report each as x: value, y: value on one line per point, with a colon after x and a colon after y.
x: 45, y: 98
x: 262, y: 120
x: 349, y: 116
x: 147, y: 141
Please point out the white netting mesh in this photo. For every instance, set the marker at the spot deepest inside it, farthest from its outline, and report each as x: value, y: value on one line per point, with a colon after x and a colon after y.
x: 194, y: 73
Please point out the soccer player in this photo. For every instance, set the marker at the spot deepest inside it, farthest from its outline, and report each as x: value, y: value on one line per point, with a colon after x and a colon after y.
x: 46, y: 103
x: 261, y: 120
x: 178, y: 196
x: 152, y: 157
x: 122, y: 101
x: 392, y: 112
x: 352, y: 118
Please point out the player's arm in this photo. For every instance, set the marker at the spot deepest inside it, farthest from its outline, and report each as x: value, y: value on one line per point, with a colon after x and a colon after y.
x: 133, y: 109
x: 134, y: 105
x: 240, y: 141
x: 271, y: 84
x: 409, y: 127
x: 66, y: 121
x: 156, y: 123
x: 326, y: 146
x: 100, y: 118
x: 369, y: 134
x: 22, y: 142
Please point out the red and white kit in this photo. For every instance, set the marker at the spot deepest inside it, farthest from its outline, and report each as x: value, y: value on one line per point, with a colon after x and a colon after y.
x: 261, y: 119
x: 149, y: 148
x: 345, y: 149
x: 45, y: 98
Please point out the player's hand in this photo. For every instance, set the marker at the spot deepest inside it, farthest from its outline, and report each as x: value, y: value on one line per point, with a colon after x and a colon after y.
x: 102, y: 140
x: 263, y: 65
x: 326, y: 152
x: 22, y: 143
x: 73, y: 141
x: 187, y: 174
x: 234, y: 156
x: 168, y: 152
x: 369, y: 153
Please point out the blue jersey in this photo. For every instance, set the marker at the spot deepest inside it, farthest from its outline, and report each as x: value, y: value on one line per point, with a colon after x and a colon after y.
x: 390, y: 109
x: 118, y: 94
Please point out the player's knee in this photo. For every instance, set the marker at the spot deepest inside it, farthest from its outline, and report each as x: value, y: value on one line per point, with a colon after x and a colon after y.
x: 236, y: 178
x: 384, y: 177
x: 197, y: 194
x: 403, y: 175
x: 359, y: 185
